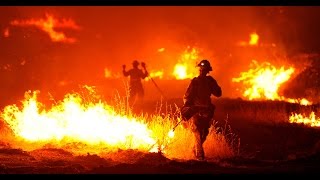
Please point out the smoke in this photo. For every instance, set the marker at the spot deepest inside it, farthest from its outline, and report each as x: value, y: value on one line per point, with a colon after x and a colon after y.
x: 113, y: 36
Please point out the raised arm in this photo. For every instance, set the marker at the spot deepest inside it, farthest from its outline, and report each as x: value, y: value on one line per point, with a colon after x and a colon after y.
x: 125, y: 73
x: 145, y: 73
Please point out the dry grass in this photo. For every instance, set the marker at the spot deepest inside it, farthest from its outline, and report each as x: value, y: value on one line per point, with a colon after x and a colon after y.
x: 221, y: 142
x: 266, y: 112
x: 217, y: 145
x: 160, y: 122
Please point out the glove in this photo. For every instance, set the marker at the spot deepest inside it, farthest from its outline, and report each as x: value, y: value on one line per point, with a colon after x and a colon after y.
x: 143, y: 64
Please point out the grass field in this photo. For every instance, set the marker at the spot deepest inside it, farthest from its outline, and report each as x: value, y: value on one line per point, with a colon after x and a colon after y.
x: 255, y: 134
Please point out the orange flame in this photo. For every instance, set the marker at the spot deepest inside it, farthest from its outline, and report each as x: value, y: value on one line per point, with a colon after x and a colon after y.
x: 254, y: 40
x: 312, y: 120
x: 155, y: 74
x: 264, y: 80
x: 109, y: 74
x: 161, y: 49
x: 81, y: 123
x: 73, y: 120
x: 185, y: 68
x: 48, y: 25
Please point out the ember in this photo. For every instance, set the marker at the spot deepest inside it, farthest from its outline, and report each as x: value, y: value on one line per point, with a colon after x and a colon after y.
x: 6, y: 32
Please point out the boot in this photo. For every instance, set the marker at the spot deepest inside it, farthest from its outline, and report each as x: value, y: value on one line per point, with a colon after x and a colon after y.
x: 198, y: 154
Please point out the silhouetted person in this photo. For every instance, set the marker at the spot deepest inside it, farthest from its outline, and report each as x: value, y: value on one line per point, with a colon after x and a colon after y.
x: 198, y: 109
x: 136, y: 91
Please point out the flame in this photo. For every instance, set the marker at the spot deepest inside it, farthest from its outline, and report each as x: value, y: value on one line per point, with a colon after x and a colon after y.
x: 48, y: 25
x: 254, y: 38
x: 312, y: 120
x: 161, y: 49
x: 83, y: 124
x: 264, y: 80
x: 155, y: 74
x: 107, y: 73
x: 185, y: 68
x: 171, y: 134
x: 73, y: 120
x: 6, y: 32
x: 110, y: 74
x: 180, y: 71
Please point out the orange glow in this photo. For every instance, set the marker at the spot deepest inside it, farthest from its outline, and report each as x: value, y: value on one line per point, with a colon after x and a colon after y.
x: 180, y: 71
x: 6, y: 32
x: 254, y: 38
x: 253, y: 41
x: 155, y: 74
x: 262, y: 82
x: 185, y: 68
x: 74, y: 120
x: 82, y: 123
x: 161, y: 49
x: 312, y: 120
x: 107, y: 73
x: 171, y: 134
x: 49, y: 25
x: 7, y: 67
x: 23, y: 62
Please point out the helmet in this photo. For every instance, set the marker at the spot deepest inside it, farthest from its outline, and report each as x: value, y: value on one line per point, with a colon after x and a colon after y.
x: 135, y: 63
x: 205, y: 64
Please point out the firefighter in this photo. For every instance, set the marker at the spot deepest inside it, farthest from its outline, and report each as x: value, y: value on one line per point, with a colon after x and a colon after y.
x: 136, y: 91
x: 198, y: 109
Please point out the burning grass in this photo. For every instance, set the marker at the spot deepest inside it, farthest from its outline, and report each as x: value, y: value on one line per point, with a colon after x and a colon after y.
x: 267, y: 111
x: 82, y: 123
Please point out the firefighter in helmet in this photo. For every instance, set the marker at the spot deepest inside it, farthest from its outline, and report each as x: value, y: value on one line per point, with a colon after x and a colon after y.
x: 198, y: 109
x: 136, y: 91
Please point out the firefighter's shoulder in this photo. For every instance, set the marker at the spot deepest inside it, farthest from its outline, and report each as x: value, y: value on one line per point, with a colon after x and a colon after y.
x: 211, y: 79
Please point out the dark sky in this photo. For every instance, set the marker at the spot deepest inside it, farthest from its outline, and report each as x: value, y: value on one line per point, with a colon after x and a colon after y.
x: 112, y: 36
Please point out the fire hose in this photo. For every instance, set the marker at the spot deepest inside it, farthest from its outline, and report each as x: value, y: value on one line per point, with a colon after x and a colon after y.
x: 172, y: 131
x: 176, y: 125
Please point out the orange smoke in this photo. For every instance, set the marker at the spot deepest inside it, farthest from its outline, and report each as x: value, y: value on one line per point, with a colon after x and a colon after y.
x: 49, y: 25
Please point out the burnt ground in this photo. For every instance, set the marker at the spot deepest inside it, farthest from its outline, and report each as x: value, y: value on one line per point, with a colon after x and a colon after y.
x: 267, y: 147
